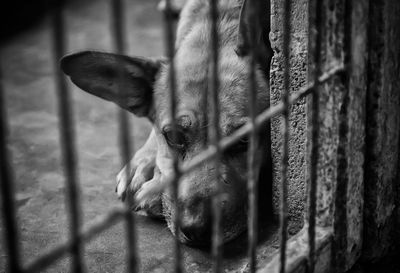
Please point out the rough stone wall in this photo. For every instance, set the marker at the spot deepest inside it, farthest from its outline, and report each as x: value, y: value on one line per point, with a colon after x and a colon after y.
x: 298, y: 72
x: 358, y: 165
x: 383, y: 128
x: 355, y: 121
x: 341, y: 122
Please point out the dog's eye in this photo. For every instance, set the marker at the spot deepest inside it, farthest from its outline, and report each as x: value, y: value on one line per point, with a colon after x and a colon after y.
x: 240, y: 147
x: 243, y: 143
x: 179, y: 142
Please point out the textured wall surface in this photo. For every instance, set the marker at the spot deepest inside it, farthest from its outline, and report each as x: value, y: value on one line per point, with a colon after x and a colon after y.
x: 358, y: 164
x: 383, y: 128
x: 355, y: 121
x: 298, y: 63
x: 342, y: 115
x: 342, y: 130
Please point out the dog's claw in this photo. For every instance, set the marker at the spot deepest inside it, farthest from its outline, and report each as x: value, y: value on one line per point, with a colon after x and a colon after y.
x: 150, y: 191
x: 123, y: 196
x: 141, y: 176
x: 122, y: 182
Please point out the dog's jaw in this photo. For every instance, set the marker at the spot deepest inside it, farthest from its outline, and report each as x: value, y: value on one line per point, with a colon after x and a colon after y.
x: 230, y: 230
x: 192, y: 76
x: 191, y: 64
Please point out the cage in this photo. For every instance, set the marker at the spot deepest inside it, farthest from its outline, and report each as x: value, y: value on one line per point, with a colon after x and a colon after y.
x: 334, y: 81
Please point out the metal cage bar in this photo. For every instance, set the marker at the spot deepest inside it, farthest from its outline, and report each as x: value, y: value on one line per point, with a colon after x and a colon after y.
x: 215, y: 135
x: 214, y: 151
x: 285, y: 134
x: 315, y: 15
x: 56, y: 253
x: 170, y: 50
x: 261, y: 119
x: 67, y: 136
x: 252, y: 162
x: 7, y: 189
x: 118, y: 31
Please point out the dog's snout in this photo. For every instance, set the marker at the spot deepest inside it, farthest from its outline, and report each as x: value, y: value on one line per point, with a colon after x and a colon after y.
x: 197, y: 234
x: 196, y: 222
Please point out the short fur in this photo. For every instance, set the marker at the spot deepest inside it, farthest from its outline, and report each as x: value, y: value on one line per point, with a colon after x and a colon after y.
x: 141, y: 87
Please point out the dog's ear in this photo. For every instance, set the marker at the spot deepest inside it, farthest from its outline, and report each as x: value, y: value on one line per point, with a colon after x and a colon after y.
x: 126, y: 81
x: 261, y: 30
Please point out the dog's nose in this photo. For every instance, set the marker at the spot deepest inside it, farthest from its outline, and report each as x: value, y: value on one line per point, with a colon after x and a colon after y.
x: 197, y: 235
x: 196, y: 222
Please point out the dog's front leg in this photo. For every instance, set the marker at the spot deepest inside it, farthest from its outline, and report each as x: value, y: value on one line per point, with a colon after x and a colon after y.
x: 142, y: 169
x: 150, y: 170
x: 150, y: 193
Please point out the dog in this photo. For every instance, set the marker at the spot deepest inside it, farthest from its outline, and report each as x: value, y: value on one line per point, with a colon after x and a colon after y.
x: 140, y: 86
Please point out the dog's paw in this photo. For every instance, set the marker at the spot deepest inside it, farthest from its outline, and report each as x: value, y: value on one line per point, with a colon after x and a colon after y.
x: 141, y: 169
x: 149, y: 194
x: 122, y: 183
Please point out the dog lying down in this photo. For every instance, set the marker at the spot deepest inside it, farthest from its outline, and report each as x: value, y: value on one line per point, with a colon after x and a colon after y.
x: 140, y: 86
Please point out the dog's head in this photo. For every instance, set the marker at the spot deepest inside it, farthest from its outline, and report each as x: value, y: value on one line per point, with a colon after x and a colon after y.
x: 141, y: 86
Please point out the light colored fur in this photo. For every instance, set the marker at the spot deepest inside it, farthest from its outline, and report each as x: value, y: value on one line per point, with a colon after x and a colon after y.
x: 142, y: 87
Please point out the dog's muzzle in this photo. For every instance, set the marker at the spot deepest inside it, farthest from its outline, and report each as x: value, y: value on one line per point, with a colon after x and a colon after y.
x: 196, y: 228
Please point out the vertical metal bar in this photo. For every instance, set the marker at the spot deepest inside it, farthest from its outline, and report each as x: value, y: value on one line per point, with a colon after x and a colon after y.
x: 315, y: 15
x: 118, y: 31
x: 252, y: 164
x: 285, y: 133
x: 7, y: 190
x: 169, y: 38
x: 67, y: 138
x: 215, y: 134
x: 341, y: 256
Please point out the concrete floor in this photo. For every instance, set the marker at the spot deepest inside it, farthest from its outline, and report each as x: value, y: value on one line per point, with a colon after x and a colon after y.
x: 34, y: 143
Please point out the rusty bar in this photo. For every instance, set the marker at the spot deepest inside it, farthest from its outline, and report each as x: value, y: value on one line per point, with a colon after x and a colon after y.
x: 315, y: 13
x: 170, y: 50
x: 261, y: 119
x: 67, y: 138
x: 252, y: 163
x: 215, y: 135
x: 118, y: 31
x: 7, y: 190
x: 50, y: 257
x: 285, y: 134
